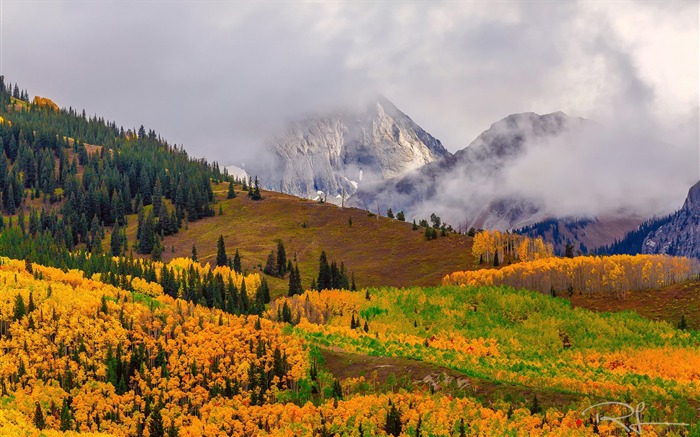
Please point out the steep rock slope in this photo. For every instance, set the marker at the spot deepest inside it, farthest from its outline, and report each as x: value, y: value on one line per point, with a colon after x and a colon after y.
x: 338, y: 152
x: 681, y: 234
x: 470, y: 179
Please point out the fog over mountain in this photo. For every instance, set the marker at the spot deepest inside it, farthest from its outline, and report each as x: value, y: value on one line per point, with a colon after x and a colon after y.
x: 333, y: 154
x: 223, y: 78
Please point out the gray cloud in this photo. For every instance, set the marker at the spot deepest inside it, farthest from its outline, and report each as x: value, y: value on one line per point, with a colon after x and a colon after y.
x: 221, y: 77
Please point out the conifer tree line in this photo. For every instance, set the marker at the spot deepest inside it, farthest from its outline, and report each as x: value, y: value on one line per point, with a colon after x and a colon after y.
x: 44, y: 155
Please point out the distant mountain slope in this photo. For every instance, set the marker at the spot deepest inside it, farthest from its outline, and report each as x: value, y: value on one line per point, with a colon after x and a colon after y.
x: 583, y: 234
x: 633, y: 241
x: 378, y: 250
x: 471, y: 178
x: 680, y: 235
x: 336, y: 153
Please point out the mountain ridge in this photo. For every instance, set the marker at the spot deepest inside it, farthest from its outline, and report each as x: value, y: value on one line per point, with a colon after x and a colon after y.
x: 480, y: 164
x: 336, y: 152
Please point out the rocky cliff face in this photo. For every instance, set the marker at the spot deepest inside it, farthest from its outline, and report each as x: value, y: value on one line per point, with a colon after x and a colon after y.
x: 469, y: 181
x: 681, y: 235
x: 339, y: 152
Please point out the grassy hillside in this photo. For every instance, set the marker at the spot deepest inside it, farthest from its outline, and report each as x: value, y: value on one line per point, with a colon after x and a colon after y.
x: 81, y: 355
x: 378, y: 250
x: 667, y: 303
x: 533, y: 342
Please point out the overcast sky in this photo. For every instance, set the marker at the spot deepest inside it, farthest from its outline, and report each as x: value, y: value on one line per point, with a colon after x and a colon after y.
x: 219, y: 76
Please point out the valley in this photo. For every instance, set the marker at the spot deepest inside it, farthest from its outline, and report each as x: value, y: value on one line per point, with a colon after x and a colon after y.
x: 138, y: 296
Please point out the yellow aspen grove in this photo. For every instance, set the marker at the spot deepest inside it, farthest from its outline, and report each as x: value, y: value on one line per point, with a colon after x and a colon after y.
x: 615, y: 274
x: 43, y: 102
x: 487, y: 243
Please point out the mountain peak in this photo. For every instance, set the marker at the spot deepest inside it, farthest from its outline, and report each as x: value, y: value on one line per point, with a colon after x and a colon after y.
x: 337, y: 152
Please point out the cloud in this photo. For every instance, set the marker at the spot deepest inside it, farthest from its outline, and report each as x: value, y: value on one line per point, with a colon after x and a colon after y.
x: 221, y: 77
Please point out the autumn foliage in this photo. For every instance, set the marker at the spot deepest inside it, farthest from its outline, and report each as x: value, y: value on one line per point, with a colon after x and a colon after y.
x: 490, y: 244
x: 45, y: 103
x: 615, y: 274
x: 113, y: 357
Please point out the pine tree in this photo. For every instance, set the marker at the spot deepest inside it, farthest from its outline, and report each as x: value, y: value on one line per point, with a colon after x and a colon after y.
x: 535, y: 406
x: 147, y: 237
x: 256, y: 191
x: 281, y: 259
x: 237, y: 262
x: 392, y: 424
x: 116, y: 240
x: 19, y: 310
x: 324, y: 273
x: 414, y: 226
x: 194, y: 253
x: 271, y: 265
x: 221, y: 257
x: 155, y: 427
x: 292, y: 284
x: 39, y: 421
x: 231, y: 192
x: 337, y: 389
x: 66, y: 416
x: 286, y: 313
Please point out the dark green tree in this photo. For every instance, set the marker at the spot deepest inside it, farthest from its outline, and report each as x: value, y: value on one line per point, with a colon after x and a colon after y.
x: 392, y: 424
x: 271, y: 265
x: 231, y: 192
x: 221, y: 257
x: 281, y: 259
x: 155, y: 426
x: 39, y: 421
x: 116, y: 241
x: 237, y: 262
x: 147, y: 236
x: 19, y: 309
x: 324, y: 273
x: 256, y: 191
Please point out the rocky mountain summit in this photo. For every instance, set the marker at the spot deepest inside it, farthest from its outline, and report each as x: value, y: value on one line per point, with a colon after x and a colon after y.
x: 470, y: 179
x: 336, y: 153
x: 681, y: 234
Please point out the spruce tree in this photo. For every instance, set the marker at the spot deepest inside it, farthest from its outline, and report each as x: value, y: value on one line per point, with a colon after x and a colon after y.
x: 221, y: 257
x: 231, y: 192
x: 66, y: 416
x: 324, y: 273
x: 39, y: 421
x: 256, y: 191
x: 19, y: 309
x: 116, y: 240
x: 237, y: 262
x: 271, y: 265
x: 155, y: 427
x: 392, y: 424
x: 281, y: 259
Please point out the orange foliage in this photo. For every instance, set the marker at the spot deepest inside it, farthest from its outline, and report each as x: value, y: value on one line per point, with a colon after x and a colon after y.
x: 616, y: 274
x: 489, y: 243
x: 44, y: 102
